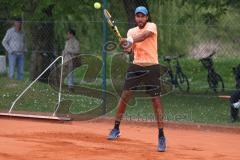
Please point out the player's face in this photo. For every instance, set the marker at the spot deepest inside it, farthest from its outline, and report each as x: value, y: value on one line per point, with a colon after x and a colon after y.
x: 141, y: 19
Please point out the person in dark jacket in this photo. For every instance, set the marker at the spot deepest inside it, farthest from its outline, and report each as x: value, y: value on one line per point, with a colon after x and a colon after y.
x: 234, y: 105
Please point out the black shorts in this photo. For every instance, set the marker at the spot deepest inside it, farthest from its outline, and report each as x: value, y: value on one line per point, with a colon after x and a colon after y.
x: 143, y: 79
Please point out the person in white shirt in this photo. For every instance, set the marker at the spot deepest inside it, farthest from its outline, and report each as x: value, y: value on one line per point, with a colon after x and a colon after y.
x: 15, y: 46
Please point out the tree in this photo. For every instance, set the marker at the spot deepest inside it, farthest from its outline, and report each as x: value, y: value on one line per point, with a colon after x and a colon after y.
x: 42, y: 44
x: 211, y: 10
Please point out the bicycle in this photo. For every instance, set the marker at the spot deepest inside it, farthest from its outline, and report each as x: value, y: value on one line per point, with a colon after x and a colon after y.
x: 178, y: 79
x: 214, y: 79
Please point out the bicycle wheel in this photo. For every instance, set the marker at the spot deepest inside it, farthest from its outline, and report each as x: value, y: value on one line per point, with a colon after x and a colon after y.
x: 215, y: 82
x: 182, y: 82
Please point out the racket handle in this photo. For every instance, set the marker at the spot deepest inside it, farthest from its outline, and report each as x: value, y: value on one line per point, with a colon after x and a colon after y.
x: 115, y: 29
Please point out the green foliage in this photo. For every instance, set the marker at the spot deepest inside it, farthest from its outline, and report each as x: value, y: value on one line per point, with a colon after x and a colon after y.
x: 185, y: 24
x: 196, y: 108
x: 182, y: 24
x: 185, y: 108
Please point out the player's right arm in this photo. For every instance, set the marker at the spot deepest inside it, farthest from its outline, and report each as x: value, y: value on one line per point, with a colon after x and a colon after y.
x: 127, y: 46
x: 5, y: 42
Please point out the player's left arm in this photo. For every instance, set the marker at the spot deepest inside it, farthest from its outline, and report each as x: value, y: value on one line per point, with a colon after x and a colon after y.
x: 138, y: 38
x: 151, y: 30
x: 141, y: 37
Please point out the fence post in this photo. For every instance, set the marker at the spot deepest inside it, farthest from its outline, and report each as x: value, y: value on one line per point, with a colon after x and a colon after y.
x: 2, y: 64
x: 104, y: 59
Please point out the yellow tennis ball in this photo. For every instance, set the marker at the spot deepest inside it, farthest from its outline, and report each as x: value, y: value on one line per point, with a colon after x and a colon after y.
x: 97, y: 5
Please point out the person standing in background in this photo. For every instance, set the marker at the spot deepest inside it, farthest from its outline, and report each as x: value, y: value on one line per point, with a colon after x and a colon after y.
x: 234, y: 106
x: 15, y: 46
x: 71, y: 49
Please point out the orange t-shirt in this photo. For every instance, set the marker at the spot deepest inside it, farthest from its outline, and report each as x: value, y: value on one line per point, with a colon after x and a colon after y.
x: 145, y: 52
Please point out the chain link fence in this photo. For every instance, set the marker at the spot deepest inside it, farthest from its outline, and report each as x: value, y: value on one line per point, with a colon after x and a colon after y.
x: 181, y: 31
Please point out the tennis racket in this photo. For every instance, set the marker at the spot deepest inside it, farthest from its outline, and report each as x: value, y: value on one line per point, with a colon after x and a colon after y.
x: 112, y: 24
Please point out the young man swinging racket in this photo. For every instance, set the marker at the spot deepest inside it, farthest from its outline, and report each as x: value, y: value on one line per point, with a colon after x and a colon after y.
x: 142, y: 41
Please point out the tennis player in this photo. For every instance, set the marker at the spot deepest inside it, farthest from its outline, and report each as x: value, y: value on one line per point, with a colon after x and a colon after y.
x: 142, y: 41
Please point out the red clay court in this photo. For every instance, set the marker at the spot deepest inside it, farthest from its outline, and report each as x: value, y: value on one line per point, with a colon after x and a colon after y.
x: 24, y: 139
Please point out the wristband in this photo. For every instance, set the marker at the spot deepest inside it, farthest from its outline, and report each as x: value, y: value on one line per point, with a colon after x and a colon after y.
x: 130, y: 39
